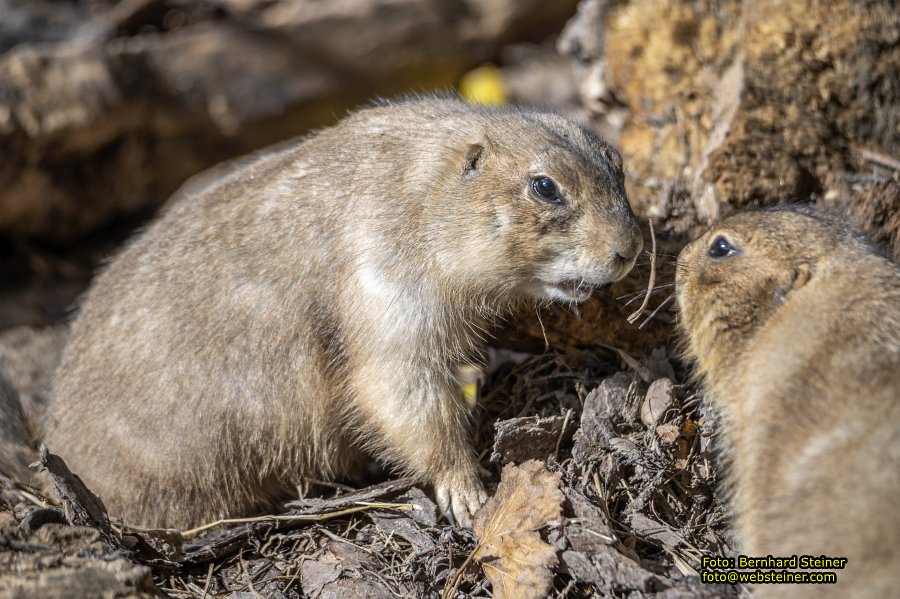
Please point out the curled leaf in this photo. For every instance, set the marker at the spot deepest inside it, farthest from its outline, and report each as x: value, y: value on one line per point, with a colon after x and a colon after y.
x: 514, y: 557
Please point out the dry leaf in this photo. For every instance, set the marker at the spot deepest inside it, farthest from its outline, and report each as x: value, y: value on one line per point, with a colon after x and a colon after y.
x: 514, y: 557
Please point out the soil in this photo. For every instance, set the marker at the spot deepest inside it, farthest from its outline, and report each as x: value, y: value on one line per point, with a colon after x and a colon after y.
x: 633, y: 447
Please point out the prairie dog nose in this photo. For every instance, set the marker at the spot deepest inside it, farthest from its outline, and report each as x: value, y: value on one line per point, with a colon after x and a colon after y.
x: 629, y: 249
x: 627, y: 252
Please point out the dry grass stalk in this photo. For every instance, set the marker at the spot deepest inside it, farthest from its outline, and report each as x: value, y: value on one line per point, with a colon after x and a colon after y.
x: 361, y: 507
x: 632, y: 318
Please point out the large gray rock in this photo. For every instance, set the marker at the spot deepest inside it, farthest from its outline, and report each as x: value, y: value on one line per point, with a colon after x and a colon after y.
x: 28, y: 357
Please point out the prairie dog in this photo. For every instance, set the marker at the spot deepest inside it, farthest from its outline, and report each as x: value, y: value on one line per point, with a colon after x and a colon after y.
x: 793, y: 320
x: 316, y: 302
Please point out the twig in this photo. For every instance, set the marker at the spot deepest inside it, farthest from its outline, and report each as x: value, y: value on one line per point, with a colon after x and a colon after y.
x: 338, y: 539
x: 32, y: 498
x: 637, y: 313
x: 879, y: 158
x: 565, y: 592
x: 208, y: 580
x: 330, y: 485
x: 562, y: 432
x: 450, y: 590
x: 642, y: 292
x: 360, y: 507
x: 247, y: 574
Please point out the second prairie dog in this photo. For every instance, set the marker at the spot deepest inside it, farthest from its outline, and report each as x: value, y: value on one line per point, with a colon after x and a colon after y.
x: 316, y: 302
x: 793, y: 320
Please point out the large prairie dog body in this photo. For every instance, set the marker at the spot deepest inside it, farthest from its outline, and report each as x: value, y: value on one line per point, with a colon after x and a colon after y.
x: 314, y: 303
x: 794, y: 322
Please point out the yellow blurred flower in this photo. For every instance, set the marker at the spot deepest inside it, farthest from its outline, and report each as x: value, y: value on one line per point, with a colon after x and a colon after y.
x: 483, y: 85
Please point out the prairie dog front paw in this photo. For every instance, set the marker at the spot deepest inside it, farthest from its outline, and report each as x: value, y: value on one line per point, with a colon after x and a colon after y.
x: 460, y: 497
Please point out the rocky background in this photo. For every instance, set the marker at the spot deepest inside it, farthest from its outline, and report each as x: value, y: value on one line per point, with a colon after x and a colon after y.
x: 106, y: 107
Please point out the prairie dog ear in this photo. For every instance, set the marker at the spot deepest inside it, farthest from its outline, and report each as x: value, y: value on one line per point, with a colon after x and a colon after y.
x: 472, y: 159
x: 612, y: 155
x: 475, y: 153
x: 800, y: 276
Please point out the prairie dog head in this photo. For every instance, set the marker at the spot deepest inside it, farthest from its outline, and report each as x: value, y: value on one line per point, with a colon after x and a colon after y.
x: 543, y: 204
x: 739, y: 273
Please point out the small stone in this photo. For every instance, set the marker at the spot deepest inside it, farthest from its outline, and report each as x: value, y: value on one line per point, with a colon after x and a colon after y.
x: 660, y: 397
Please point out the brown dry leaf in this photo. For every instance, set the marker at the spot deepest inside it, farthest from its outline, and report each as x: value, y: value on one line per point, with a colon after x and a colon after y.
x: 514, y: 557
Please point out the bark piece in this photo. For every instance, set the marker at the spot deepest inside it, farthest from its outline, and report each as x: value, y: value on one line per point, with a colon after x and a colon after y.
x: 603, y: 407
x: 341, y: 570
x: 740, y: 104
x: 529, y: 438
x: 82, y: 508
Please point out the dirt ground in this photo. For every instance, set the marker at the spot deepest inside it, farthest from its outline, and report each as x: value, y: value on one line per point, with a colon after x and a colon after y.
x: 630, y: 449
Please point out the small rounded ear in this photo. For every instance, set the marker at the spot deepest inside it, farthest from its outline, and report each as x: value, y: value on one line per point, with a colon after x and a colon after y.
x: 472, y: 159
x: 612, y: 155
x: 800, y: 276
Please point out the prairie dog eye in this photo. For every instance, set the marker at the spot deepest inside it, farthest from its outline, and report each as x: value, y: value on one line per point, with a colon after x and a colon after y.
x: 721, y: 248
x: 545, y: 189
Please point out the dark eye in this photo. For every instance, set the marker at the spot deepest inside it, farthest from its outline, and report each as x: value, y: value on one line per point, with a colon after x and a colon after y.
x: 545, y: 189
x: 720, y: 248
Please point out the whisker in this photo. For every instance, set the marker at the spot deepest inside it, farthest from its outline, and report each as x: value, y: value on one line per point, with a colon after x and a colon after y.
x: 641, y: 292
x: 630, y: 293
x: 657, y: 309
x: 634, y: 299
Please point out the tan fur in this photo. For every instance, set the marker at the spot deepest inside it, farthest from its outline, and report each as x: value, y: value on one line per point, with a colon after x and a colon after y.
x: 315, y: 302
x: 797, y: 338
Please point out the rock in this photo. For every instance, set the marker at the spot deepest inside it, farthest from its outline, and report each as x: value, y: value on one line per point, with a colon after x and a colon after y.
x: 112, y: 112
x: 603, y: 407
x: 539, y: 76
x: 657, y: 365
x: 874, y: 203
x: 611, y: 572
x: 28, y: 358
x: 16, y: 449
x: 410, y: 525
x: 588, y: 529
x: 659, y: 398
x: 342, y: 570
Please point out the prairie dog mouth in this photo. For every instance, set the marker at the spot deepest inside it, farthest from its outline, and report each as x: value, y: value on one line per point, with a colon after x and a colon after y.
x: 570, y: 290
